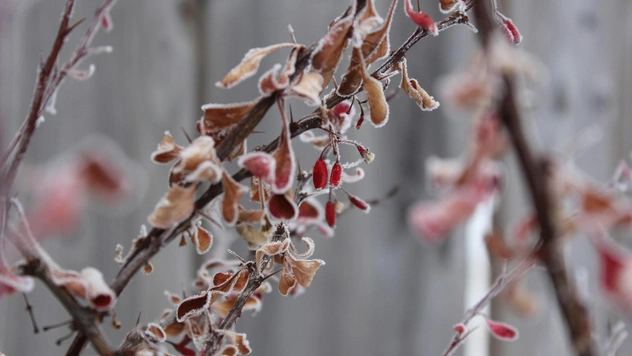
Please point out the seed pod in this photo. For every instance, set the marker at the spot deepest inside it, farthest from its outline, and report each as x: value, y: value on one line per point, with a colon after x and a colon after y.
x: 319, y: 174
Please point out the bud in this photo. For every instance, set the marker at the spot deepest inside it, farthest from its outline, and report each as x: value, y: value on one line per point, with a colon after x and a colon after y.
x: 330, y: 213
x: 336, y: 174
x: 366, y: 154
x: 319, y: 174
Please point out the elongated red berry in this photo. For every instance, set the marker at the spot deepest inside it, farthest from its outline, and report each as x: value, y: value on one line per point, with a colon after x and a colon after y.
x: 330, y: 213
x: 319, y: 174
x: 359, y: 203
x: 336, y: 174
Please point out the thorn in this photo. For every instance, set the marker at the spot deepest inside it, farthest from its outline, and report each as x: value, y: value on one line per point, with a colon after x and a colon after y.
x: 29, y: 309
x: 58, y: 325
x: 271, y: 274
x: 237, y: 256
x: 186, y: 134
x: 204, y: 215
x: 291, y: 29
x: 291, y: 115
x: 64, y: 338
x: 333, y: 79
x: 138, y: 319
x: 71, y: 28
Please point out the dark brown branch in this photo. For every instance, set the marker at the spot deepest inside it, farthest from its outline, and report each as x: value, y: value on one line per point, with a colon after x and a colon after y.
x: 535, y: 172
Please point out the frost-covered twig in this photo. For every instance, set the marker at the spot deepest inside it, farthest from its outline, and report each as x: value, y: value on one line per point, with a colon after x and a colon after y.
x: 49, y: 79
x: 501, y: 283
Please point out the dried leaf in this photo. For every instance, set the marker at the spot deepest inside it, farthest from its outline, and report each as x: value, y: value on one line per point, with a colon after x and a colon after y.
x: 250, y: 216
x: 254, y: 236
x: 278, y: 78
x: 167, y: 150
x: 260, y: 164
x: 202, y: 149
x: 174, y: 207
x: 202, y: 239
x: 377, y: 43
x: 228, y: 350
x: 365, y: 24
x: 447, y: 6
x: 414, y: 91
x: 11, y: 283
x: 271, y: 249
x: 207, y: 171
x: 330, y: 48
x: 352, y: 79
x: 192, y: 306
x: 282, y: 207
x: 232, y: 195
x: 156, y: 332
x: 308, y: 88
x: 219, y: 117
x: 249, y: 65
x: 239, y: 340
x: 285, y: 162
x: 304, y: 270
x: 88, y: 285
x: 375, y: 95
x: 287, y: 282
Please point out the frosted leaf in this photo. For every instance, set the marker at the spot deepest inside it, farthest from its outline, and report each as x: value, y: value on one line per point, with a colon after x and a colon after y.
x: 155, y: 333
x: 249, y: 65
x: 502, y: 331
x: 414, y: 91
x: 175, y: 206
x: 308, y: 88
x: 233, y: 192
x: 375, y: 95
x: 329, y: 50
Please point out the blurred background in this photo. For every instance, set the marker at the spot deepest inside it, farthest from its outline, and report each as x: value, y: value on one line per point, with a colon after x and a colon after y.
x: 382, y: 292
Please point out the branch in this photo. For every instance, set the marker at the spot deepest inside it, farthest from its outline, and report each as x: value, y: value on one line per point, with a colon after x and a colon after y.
x: 49, y: 79
x: 534, y: 170
x: 83, y: 318
x: 157, y: 237
x: 254, y: 281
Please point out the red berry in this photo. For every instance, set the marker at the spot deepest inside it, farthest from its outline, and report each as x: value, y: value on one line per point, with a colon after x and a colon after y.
x: 336, y: 174
x: 330, y: 213
x: 319, y: 174
x: 359, y: 203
